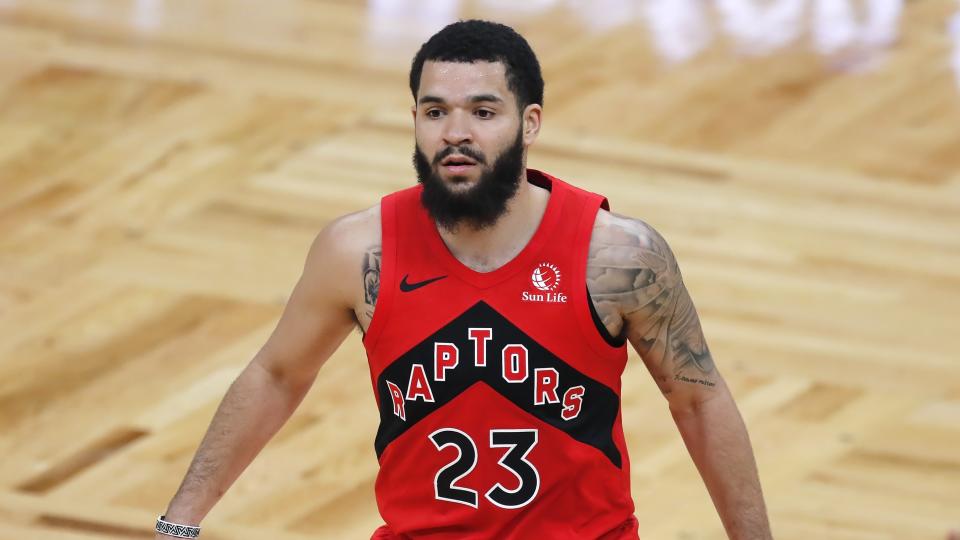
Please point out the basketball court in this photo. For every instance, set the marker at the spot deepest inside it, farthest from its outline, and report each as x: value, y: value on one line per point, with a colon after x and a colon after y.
x: 164, y: 166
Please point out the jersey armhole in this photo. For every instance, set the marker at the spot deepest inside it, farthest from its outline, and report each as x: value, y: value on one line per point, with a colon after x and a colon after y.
x: 388, y: 260
x: 591, y: 326
x: 614, y: 341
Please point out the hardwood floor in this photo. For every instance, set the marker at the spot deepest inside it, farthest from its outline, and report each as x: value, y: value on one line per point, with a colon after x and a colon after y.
x: 165, y: 165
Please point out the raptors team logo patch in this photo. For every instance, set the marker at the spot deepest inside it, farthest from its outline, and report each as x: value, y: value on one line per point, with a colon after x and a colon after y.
x: 545, y: 278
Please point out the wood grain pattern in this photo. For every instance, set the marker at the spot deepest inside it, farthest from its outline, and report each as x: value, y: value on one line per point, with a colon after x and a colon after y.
x: 164, y: 166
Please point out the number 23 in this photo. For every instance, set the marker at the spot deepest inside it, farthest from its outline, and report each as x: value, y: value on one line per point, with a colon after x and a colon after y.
x: 519, y: 443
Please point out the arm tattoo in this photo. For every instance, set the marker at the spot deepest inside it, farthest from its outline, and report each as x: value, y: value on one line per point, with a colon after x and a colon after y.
x: 371, y: 285
x: 634, y: 280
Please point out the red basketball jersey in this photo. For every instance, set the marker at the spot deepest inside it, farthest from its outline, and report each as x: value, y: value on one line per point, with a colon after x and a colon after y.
x: 499, y: 398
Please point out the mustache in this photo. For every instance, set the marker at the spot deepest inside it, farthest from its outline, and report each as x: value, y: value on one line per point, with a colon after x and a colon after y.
x: 475, y: 155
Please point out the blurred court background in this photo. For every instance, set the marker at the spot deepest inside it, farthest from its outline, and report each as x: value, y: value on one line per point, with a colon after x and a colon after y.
x: 164, y: 166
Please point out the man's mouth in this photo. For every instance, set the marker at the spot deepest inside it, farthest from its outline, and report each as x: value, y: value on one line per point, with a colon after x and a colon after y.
x: 458, y: 164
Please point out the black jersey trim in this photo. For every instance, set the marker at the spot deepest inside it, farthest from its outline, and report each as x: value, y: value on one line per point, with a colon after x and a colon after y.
x: 614, y: 341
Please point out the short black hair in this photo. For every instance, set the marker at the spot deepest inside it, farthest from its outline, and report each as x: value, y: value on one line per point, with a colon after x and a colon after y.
x: 484, y: 41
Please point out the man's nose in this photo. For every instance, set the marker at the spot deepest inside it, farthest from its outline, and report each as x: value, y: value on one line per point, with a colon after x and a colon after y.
x: 456, y: 130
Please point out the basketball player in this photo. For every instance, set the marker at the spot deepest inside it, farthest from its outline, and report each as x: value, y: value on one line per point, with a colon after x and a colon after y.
x: 495, y: 303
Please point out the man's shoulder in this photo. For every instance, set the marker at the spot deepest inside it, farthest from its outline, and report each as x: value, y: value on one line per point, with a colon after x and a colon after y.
x: 361, y: 226
x: 613, y: 229
x: 345, y: 239
x: 337, y: 254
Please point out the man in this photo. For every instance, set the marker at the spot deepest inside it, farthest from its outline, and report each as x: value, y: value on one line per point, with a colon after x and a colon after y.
x: 495, y: 303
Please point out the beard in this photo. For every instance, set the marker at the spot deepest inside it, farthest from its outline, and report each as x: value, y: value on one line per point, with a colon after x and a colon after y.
x: 480, y: 206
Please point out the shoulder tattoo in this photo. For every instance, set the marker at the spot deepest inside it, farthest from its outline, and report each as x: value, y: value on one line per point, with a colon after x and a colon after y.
x: 634, y: 280
x: 370, y: 274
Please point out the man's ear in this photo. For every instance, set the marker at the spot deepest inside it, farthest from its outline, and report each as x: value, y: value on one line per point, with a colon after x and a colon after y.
x: 413, y: 112
x: 532, y: 116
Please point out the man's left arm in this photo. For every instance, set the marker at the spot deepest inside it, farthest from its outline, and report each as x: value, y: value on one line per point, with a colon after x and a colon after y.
x: 635, y: 283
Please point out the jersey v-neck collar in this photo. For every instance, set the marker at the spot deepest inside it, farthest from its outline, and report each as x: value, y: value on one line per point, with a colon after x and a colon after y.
x: 522, y: 260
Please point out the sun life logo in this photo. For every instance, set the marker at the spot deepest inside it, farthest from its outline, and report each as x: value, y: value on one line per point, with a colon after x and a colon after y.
x: 546, y: 277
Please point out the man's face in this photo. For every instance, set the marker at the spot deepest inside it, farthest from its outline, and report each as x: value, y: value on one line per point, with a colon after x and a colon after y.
x: 470, y: 142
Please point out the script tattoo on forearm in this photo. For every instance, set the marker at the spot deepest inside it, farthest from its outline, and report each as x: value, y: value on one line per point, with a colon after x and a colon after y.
x: 371, y: 285
x: 633, y: 279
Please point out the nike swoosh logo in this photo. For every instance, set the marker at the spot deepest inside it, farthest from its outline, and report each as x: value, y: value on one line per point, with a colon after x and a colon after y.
x: 407, y: 287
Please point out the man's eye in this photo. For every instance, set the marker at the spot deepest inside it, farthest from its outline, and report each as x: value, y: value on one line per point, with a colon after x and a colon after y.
x: 434, y: 113
x: 484, y: 113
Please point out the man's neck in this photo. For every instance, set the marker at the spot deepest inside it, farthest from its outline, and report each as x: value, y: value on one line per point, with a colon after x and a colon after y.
x: 485, y: 250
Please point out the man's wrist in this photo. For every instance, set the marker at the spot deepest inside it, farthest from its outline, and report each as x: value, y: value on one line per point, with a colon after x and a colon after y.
x: 184, y: 518
x: 183, y: 513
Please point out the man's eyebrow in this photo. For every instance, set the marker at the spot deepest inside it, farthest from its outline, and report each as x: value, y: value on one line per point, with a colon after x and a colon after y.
x: 473, y: 99
x: 485, y: 97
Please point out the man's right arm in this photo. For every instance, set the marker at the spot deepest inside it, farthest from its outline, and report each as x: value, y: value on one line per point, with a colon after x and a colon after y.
x: 315, y: 321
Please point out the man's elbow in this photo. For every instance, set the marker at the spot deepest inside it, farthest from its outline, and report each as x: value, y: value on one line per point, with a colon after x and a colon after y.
x: 283, y: 375
x: 698, y: 402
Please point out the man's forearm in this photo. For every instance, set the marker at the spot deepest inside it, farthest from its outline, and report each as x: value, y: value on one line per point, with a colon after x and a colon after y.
x: 717, y: 439
x: 251, y: 412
